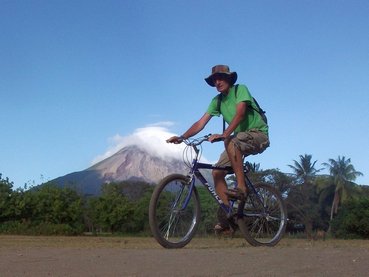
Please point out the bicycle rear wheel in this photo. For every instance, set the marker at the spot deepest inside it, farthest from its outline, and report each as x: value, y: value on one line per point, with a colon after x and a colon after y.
x: 264, y: 216
x: 173, y: 222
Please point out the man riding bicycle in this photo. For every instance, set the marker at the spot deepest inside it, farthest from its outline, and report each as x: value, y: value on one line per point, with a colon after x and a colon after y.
x: 246, y: 134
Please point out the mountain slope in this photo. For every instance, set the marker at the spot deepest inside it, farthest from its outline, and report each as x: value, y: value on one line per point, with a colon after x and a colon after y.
x: 130, y: 163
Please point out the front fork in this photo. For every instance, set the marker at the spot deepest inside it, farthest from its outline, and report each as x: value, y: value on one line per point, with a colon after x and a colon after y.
x: 191, y: 181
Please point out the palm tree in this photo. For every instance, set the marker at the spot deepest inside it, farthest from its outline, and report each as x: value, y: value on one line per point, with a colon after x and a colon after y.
x: 343, y: 174
x: 255, y: 167
x: 305, y: 170
x: 302, y: 197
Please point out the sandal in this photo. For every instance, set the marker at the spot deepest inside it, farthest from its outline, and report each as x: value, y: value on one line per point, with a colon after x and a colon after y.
x: 236, y: 194
x: 219, y: 227
x: 223, y: 223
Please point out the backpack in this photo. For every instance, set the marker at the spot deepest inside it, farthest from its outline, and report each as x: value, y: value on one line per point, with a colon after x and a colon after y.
x: 258, y: 109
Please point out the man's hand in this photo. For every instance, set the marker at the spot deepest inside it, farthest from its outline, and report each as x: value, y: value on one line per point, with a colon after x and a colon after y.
x: 216, y: 137
x: 175, y: 140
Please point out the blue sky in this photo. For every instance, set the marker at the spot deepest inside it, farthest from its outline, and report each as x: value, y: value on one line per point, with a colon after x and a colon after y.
x: 79, y: 78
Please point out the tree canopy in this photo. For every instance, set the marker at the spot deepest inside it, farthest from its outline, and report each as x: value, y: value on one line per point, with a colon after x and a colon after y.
x: 312, y: 201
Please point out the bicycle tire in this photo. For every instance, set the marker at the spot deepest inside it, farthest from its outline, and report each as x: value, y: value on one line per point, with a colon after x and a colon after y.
x: 263, y: 227
x: 171, y: 225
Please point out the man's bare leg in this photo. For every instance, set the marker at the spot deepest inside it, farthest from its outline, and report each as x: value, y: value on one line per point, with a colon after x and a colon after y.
x: 220, y: 185
x: 236, y: 158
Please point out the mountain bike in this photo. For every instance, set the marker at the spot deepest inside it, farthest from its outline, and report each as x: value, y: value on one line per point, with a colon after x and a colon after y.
x: 175, y: 212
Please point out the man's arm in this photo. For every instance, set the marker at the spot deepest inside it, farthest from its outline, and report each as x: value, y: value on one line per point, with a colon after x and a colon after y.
x: 240, y: 114
x: 193, y: 130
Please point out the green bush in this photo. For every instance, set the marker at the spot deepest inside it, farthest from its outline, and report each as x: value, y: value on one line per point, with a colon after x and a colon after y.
x: 352, y: 220
x: 46, y: 229
x: 55, y: 229
x: 13, y: 227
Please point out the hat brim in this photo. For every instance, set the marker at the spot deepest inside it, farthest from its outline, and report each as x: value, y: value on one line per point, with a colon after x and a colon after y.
x: 232, y: 78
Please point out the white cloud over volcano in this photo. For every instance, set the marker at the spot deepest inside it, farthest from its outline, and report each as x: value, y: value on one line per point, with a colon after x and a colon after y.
x: 151, y: 138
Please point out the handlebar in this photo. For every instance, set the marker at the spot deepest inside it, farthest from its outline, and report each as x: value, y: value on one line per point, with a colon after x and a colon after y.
x: 195, y: 145
x: 198, y: 141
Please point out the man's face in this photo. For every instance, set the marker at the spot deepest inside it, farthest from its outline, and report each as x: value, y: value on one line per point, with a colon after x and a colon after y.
x: 221, y: 83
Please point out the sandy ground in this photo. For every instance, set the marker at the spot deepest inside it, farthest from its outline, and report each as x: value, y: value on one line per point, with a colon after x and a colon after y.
x: 96, y: 256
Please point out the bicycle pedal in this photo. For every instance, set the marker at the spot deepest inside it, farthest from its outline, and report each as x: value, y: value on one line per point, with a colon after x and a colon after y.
x: 234, y: 226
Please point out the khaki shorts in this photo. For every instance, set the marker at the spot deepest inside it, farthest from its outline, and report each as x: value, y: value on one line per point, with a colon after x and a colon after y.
x: 251, y: 142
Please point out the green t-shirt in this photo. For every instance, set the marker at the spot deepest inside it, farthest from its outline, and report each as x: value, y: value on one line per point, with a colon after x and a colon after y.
x: 252, y: 119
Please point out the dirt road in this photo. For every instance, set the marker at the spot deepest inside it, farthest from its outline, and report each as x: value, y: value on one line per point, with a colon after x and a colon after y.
x: 92, y: 256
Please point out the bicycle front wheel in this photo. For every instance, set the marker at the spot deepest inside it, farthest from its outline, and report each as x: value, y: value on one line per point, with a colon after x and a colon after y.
x: 174, y: 214
x: 264, y: 216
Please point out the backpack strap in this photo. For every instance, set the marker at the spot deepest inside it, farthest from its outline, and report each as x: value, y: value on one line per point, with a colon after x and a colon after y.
x: 259, y: 110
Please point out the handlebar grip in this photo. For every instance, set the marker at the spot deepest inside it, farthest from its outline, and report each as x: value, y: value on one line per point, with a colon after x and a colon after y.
x: 218, y: 139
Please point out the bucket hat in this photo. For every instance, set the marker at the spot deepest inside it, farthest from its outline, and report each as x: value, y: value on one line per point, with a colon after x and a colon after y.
x: 221, y: 70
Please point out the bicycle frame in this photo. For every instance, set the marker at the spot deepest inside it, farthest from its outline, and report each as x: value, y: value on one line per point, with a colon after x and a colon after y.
x: 196, y: 174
